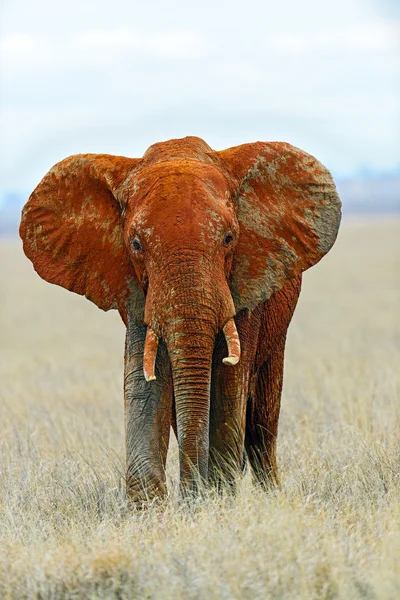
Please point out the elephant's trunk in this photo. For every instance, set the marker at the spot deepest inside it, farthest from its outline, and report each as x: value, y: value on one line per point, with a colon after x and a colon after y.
x: 190, y: 339
x: 191, y: 370
x: 188, y: 310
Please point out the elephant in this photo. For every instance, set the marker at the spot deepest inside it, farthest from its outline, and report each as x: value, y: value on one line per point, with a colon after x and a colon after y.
x: 202, y: 254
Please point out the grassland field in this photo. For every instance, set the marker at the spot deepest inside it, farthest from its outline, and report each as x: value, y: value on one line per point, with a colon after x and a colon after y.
x: 332, y: 532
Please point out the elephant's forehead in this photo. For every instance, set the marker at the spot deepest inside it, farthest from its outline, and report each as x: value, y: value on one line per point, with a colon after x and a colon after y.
x: 180, y: 184
x: 173, y: 172
x: 181, y: 200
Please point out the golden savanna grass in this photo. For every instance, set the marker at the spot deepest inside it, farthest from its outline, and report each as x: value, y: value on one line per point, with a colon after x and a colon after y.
x: 332, y: 532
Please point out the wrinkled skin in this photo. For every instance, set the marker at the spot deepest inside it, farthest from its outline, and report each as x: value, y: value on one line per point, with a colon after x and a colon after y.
x: 202, y: 254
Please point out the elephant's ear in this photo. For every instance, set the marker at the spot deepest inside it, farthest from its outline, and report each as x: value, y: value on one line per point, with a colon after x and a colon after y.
x: 289, y: 214
x: 72, y: 230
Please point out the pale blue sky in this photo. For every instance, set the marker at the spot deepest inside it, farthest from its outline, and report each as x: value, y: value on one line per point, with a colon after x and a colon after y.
x: 114, y: 77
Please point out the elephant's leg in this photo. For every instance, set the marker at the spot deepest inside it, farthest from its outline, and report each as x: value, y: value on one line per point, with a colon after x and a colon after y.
x: 262, y: 418
x: 227, y: 421
x: 148, y: 414
x: 229, y: 393
x: 265, y: 391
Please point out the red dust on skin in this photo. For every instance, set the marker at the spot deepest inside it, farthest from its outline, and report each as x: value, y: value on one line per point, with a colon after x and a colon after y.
x: 192, y: 243
x: 181, y: 208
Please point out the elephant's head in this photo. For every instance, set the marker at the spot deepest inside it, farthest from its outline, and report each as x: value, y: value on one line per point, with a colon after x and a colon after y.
x: 182, y: 239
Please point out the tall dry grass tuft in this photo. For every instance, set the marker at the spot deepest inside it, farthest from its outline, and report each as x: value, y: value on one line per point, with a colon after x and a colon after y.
x: 332, y: 532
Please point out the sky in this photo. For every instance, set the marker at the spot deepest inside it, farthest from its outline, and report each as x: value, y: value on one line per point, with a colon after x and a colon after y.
x: 115, y: 77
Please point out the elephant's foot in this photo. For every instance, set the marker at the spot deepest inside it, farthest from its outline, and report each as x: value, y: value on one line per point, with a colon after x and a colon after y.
x: 143, y: 492
x: 225, y: 471
x: 260, y: 444
x: 264, y: 467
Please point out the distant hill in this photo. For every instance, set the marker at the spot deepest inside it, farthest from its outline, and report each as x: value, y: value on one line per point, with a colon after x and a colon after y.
x: 373, y: 194
x: 11, y: 204
x: 363, y: 195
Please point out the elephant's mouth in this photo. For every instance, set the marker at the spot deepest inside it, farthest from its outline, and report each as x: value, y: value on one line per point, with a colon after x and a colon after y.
x: 151, y: 345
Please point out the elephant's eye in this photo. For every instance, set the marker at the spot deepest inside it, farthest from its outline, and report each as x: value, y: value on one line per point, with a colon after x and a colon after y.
x: 228, y: 239
x: 136, y: 245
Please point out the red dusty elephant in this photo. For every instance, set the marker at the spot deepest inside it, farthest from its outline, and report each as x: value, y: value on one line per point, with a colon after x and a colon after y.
x: 201, y: 252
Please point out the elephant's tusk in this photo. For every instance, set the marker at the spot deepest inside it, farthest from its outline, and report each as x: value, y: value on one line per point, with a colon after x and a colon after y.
x: 149, y: 356
x: 233, y: 343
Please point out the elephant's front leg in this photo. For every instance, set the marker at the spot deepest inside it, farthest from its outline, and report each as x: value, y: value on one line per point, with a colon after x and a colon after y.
x: 148, y: 414
x: 229, y: 393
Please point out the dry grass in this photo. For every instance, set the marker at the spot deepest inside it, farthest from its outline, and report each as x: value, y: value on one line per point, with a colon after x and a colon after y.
x: 333, y: 531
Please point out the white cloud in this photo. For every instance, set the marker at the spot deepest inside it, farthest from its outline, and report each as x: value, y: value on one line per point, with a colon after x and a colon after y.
x: 174, y: 44
x: 17, y: 44
x: 22, y: 53
x: 19, y: 51
x: 378, y: 36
